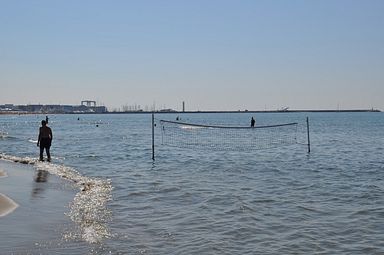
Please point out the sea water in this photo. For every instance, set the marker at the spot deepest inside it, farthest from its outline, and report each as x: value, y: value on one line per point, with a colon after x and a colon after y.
x: 196, y: 201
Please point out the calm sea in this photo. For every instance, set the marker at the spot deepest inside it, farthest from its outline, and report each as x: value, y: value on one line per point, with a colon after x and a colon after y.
x: 198, y: 201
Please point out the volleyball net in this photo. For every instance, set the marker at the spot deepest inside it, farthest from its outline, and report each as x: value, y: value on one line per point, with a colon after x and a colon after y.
x: 188, y: 135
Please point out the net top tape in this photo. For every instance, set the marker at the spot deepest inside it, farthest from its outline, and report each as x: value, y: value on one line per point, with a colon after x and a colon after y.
x: 228, y: 127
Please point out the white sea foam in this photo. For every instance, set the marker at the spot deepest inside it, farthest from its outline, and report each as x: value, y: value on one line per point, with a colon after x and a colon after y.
x: 191, y: 127
x: 25, y: 160
x: 88, y: 209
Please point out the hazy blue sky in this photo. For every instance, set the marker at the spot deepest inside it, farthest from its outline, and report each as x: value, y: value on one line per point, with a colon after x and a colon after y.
x: 212, y: 54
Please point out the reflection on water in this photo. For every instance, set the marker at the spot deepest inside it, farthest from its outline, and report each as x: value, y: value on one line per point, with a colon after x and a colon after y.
x: 40, y: 177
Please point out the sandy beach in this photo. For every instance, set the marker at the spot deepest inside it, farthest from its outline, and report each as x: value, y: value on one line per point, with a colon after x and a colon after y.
x: 7, y: 205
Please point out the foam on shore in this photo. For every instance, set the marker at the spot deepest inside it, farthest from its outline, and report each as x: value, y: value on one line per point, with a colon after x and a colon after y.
x: 88, y: 209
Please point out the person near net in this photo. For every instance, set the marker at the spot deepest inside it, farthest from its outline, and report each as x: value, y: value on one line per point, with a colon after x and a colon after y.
x: 44, y: 140
x: 253, y: 121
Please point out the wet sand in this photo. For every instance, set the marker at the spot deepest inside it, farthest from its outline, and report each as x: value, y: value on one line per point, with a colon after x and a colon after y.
x: 7, y: 205
x: 3, y: 173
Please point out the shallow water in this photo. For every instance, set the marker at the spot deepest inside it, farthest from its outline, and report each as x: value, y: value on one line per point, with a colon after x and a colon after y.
x: 198, y: 201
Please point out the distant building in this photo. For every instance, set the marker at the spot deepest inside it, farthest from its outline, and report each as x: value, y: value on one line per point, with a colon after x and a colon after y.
x: 167, y: 110
x: 39, y: 108
x: 7, y: 107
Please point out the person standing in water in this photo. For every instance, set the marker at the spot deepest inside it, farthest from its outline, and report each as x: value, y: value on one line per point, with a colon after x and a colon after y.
x: 253, y: 121
x: 44, y: 140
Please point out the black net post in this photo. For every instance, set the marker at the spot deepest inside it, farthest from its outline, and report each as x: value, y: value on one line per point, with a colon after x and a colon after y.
x: 153, y: 136
x: 309, y: 143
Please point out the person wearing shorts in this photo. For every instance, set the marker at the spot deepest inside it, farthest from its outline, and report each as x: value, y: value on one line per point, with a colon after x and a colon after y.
x: 45, y: 140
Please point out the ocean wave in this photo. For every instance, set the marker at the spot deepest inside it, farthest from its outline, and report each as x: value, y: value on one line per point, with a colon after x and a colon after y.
x: 88, y: 210
x: 5, y: 135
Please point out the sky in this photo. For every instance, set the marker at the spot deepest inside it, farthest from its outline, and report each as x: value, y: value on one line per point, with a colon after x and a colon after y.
x: 211, y: 54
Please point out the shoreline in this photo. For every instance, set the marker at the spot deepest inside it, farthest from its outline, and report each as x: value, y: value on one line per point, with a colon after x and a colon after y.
x: 55, y: 188
x: 7, y: 205
x: 33, y: 208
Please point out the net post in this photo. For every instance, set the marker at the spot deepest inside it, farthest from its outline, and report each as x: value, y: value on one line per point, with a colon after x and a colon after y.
x: 308, y: 141
x: 153, y: 136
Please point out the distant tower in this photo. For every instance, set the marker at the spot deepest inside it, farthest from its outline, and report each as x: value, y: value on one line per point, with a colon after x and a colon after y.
x: 89, y: 103
x: 183, y: 106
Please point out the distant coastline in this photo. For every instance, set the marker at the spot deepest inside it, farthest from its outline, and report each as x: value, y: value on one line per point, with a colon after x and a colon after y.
x: 180, y: 112
x: 85, y: 107
x: 247, y: 111
x: 90, y: 107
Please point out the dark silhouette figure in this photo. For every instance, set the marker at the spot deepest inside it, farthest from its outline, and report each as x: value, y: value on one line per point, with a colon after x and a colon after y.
x: 38, y: 187
x: 46, y: 119
x: 41, y: 176
x: 253, y: 122
x: 45, y: 140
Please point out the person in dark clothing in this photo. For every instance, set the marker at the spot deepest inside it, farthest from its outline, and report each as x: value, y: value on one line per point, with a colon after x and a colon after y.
x: 253, y: 121
x: 44, y: 140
